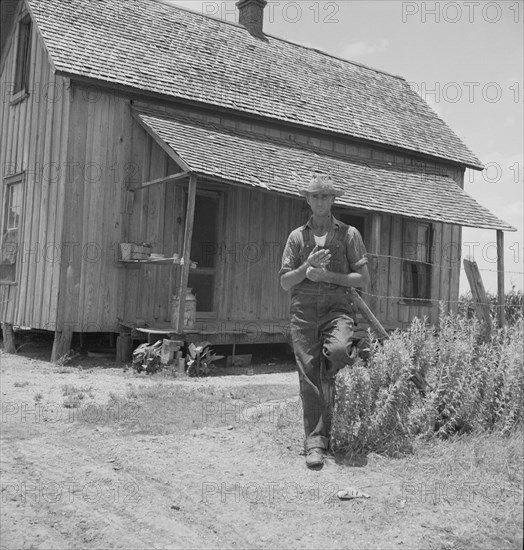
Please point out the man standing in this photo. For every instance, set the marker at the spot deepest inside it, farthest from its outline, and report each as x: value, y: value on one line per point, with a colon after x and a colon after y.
x: 321, y: 261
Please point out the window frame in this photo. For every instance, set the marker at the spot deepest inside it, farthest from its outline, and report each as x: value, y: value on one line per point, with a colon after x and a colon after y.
x: 411, y: 293
x: 22, y: 63
x: 6, y: 230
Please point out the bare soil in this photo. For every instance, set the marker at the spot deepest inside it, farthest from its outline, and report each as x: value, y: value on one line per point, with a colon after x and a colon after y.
x: 100, y: 457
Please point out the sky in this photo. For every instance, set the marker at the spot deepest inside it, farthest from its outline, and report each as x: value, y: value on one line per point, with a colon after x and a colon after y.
x: 466, y: 59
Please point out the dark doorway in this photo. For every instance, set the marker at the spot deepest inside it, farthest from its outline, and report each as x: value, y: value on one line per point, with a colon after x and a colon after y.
x: 358, y: 222
x: 204, y: 251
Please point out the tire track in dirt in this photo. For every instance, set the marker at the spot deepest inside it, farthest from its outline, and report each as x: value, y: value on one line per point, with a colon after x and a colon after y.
x: 82, y: 500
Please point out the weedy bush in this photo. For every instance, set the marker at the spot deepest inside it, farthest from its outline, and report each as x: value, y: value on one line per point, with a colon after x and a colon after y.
x: 513, y: 308
x: 470, y: 384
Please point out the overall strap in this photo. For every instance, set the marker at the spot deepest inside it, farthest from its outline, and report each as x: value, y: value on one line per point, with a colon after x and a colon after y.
x: 342, y: 233
x: 306, y: 236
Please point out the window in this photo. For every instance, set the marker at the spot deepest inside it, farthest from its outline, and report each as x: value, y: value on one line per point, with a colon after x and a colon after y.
x: 416, y: 271
x: 23, y: 56
x: 10, y: 228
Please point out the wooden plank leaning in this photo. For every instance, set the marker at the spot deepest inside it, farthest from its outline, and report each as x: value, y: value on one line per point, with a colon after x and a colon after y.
x: 480, y: 300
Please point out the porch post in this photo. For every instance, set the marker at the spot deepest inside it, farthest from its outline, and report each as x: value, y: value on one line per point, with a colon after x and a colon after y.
x: 186, y: 253
x: 501, y: 301
x: 375, y: 238
x: 374, y: 284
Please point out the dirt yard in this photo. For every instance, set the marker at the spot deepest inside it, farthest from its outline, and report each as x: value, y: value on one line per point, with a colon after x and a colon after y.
x: 100, y: 457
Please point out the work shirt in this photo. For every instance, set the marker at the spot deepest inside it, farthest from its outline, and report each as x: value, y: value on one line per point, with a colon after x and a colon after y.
x: 348, y: 253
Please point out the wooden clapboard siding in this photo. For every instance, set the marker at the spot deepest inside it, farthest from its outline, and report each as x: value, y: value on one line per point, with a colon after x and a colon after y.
x: 156, y: 218
x: 26, y: 274
x: 97, y: 183
x: 132, y: 231
x: 157, y: 301
x: 256, y: 225
x: 56, y: 159
x: 32, y: 134
x: 123, y: 151
x: 59, y: 204
x: 8, y: 293
x: 74, y: 212
x: 34, y: 310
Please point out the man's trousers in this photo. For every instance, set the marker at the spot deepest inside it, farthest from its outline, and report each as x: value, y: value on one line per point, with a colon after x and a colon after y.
x: 322, y: 331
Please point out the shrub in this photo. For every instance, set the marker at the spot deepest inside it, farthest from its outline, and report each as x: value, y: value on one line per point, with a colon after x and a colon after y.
x: 470, y: 384
x: 373, y: 401
x: 514, y: 305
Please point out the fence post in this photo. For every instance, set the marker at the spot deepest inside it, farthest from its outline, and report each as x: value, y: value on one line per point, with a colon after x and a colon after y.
x: 501, y: 298
x: 480, y: 301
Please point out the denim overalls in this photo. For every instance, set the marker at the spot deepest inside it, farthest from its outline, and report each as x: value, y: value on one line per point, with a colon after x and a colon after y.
x: 322, y: 331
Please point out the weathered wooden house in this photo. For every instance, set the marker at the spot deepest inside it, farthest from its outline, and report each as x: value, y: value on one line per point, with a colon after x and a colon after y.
x: 137, y: 121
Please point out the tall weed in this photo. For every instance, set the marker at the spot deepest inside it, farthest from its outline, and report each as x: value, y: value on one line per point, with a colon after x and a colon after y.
x: 470, y: 384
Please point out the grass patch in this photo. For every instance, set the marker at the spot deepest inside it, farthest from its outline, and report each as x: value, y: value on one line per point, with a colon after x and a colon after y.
x: 74, y: 396
x: 474, y: 481
x: 166, y: 409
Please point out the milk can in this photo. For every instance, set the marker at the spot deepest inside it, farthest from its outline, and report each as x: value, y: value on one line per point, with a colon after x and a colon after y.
x: 189, y: 310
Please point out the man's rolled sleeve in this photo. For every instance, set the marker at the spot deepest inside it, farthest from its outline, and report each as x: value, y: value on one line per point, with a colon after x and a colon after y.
x: 291, y: 255
x: 355, y: 249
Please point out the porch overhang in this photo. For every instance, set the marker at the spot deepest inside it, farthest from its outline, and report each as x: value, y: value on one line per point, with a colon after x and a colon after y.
x: 276, y: 165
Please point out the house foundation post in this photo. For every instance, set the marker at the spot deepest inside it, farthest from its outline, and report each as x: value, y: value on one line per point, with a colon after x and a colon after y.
x: 9, y: 338
x: 124, y: 348
x: 62, y: 343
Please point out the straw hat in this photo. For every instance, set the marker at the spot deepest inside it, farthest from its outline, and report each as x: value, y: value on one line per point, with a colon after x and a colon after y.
x: 321, y: 183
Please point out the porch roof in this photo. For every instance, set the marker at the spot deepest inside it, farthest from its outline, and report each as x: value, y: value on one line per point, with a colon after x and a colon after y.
x: 233, y: 156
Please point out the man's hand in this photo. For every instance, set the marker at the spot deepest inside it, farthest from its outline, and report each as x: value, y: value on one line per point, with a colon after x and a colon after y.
x: 318, y: 258
x: 317, y: 274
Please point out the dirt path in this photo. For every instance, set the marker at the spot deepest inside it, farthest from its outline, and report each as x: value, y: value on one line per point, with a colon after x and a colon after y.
x: 171, y: 463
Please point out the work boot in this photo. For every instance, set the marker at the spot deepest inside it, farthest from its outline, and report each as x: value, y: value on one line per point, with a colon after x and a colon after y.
x: 315, y: 458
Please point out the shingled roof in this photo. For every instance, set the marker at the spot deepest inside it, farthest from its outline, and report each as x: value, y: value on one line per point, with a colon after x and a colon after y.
x: 155, y: 47
x: 234, y: 156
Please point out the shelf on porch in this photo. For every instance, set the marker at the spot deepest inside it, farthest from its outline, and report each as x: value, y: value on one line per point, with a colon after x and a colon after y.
x: 219, y: 331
